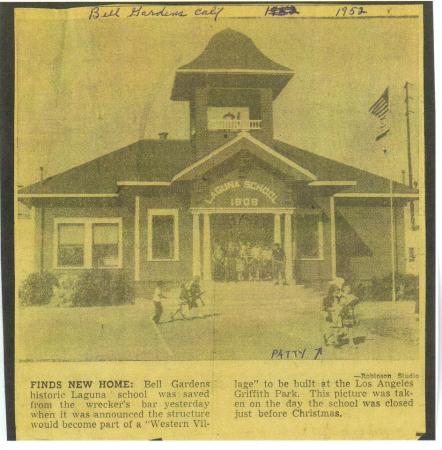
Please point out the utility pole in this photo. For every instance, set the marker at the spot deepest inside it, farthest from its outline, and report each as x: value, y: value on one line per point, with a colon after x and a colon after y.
x: 410, y: 165
x: 407, y: 115
x: 393, y: 245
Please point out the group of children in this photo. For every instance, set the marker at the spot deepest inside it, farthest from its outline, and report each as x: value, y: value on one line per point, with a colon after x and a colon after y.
x: 338, y: 307
x: 190, y: 295
x: 339, y: 314
x: 243, y: 261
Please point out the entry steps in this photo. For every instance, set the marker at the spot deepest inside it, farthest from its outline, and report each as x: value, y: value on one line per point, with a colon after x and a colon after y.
x: 262, y: 294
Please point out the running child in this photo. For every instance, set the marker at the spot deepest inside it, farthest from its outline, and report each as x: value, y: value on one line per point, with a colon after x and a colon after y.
x: 184, y: 300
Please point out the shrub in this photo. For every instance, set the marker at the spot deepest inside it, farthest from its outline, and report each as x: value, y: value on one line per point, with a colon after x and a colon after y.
x: 407, y: 288
x: 37, y: 288
x: 102, y: 287
x: 64, y: 292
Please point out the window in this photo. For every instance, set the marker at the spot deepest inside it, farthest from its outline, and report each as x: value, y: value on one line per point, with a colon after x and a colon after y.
x: 105, y: 238
x: 309, y: 236
x: 86, y: 243
x: 162, y: 235
x: 70, y: 245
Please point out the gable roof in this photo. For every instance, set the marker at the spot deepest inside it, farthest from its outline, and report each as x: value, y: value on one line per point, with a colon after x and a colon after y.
x: 149, y: 162
x: 246, y: 141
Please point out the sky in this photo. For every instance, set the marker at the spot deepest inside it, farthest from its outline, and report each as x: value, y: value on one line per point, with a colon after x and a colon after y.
x: 86, y: 88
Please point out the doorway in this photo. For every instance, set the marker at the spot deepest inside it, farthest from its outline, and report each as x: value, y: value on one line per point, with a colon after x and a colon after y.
x: 253, y: 228
x: 241, y: 246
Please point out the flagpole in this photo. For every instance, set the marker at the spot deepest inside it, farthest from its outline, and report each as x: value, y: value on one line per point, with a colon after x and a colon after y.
x: 393, y: 245
x: 380, y: 109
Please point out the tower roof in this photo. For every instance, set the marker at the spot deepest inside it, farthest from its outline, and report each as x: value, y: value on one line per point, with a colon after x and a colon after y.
x: 230, y: 52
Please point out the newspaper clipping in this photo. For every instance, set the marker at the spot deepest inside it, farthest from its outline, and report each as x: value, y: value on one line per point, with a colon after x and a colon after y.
x: 220, y: 221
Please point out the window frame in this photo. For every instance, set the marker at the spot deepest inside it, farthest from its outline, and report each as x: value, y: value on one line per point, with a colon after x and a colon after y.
x: 88, y: 223
x: 173, y: 212
x: 57, y: 242
x: 316, y: 212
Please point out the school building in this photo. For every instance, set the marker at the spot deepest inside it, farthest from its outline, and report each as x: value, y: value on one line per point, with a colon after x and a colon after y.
x: 156, y: 207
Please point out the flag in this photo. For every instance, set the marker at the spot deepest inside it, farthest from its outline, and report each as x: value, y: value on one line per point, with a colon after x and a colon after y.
x: 381, y: 109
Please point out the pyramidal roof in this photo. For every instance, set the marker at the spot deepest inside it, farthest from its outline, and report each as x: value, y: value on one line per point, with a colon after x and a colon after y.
x: 230, y: 49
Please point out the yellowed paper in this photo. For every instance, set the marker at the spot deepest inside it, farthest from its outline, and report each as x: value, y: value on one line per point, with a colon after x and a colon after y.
x: 219, y: 222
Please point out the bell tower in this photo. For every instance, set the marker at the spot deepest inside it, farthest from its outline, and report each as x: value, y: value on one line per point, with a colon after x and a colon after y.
x: 230, y: 88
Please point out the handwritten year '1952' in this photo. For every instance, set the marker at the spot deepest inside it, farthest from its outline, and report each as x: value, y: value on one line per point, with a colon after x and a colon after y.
x: 345, y: 11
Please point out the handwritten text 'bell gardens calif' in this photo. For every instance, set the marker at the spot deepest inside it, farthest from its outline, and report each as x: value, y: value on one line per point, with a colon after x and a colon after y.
x: 98, y: 12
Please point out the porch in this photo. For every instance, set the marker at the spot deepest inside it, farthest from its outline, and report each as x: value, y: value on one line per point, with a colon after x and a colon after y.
x: 202, y: 240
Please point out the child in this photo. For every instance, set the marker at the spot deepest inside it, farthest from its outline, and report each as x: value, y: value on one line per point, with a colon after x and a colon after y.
x: 247, y: 258
x: 266, y: 258
x: 158, y: 296
x: 348, y: 317
x: 184, y: 300
x: 330, y: 306
x: 218, y: 257
x: 230, y: 261
x: 195, y: 293
x: 278, y: 264
x: 240, y: 268
x: 256, y: 263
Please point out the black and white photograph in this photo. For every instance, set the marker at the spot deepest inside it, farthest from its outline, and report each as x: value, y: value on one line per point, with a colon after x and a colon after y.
x: 248, y: 188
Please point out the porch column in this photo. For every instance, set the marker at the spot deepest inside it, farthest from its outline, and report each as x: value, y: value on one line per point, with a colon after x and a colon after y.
x: 277, y: 229
x: 288, y: 247
x: 207, y: 251
x: 38, y: 237
x: 333, y: 237
x: 137, y: 239
x: 196, y: 262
